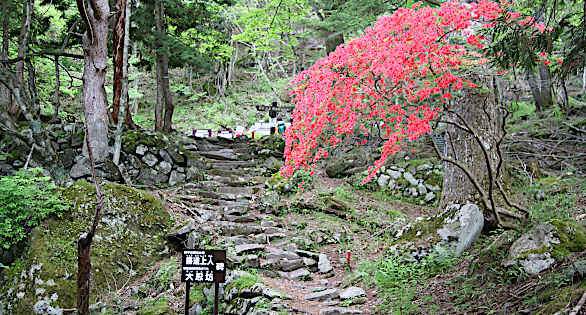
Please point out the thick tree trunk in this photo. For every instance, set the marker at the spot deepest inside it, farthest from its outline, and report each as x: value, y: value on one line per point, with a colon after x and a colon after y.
x: 94, y: 73
x: 541, y: 90
x: 476, y: 110
x: 22, y: 49
x: 159, y: 58
x: 35, y: 103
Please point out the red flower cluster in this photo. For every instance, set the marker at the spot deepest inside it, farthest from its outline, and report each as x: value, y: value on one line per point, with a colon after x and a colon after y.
x: 387, y: 78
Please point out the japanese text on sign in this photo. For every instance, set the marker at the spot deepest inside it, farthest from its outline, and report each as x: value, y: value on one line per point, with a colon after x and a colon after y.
x: 203, y: 266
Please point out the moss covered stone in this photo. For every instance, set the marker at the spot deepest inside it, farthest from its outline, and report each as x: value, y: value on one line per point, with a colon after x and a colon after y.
x: 553, y: 240
x: 134, y: 138
x: 130, y: 237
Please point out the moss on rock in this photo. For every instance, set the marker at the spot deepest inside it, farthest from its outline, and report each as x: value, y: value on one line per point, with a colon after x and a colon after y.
x: 130, y: 237
x: 134, y: 138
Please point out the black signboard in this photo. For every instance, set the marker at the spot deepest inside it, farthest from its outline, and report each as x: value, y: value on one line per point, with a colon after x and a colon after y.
x: 198, y: 265
x: 203, y: 266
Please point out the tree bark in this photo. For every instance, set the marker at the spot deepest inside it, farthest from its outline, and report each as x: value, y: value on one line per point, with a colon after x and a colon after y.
x: 56, y: 98
x: 22, y: 49
x: 333, y: 40
x: 169, y: 106
x: 124, y: 102
x: 5, y: 95
x: 117, y: 57
x: 159, y: 58
x: 164, y: 97
x: 535, y: 91
x: 478, y: 110
x: 94, y: 74
x: 545, y: 85
x: 118, y: 60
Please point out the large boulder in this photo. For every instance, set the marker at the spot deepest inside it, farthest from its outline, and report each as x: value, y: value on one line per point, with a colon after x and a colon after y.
x: 464, y: 226
x: 129, y: 239
x: 539, y: 248
x: 456, y: 229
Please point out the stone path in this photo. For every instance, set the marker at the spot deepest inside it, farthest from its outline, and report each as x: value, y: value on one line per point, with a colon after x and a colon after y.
x: 223, y: 210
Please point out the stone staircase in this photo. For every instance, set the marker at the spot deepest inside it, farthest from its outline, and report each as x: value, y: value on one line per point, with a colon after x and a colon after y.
x: 223, y: 210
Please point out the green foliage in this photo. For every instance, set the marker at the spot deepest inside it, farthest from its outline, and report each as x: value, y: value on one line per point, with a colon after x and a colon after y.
x: 396, y: 278
x: 273, y: 25
x: 167, y: 271
x: 245, y: 281
x: 341, y: 193
x: 554, y: 197
x: 26, y: 198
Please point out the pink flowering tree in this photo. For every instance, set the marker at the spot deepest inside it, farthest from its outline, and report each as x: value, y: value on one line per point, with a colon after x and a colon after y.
x: 409, y: 70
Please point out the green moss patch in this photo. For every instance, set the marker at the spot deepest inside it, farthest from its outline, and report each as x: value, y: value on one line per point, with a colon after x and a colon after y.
x: 572, y: 238
x: 130, y: 238
x: 245, y: 281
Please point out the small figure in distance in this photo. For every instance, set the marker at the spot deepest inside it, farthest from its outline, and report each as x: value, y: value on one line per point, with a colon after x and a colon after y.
x: 280, y: 126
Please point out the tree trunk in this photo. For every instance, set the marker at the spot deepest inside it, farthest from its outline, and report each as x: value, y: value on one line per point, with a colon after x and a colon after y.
x: 56, y: 99
x: 22, y: 48
x: 5, y: 95
x: 169, y: 106
x: 163, y: 85
x: 117, y: 57
x: 35, y: 104
x: 333, y: 40
x: 584, y: 79
x: 535, y: 91
x: 159, y: 58
x: 478, y: 110
x: 545, y: 85
x: 94, y: 73
x: 124, y: 102
x: 118, y: 60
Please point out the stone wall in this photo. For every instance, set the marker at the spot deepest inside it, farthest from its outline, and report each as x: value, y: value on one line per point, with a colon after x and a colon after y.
x: 147, y: 158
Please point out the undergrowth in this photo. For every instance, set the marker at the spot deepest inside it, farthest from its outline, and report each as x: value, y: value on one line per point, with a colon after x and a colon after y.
x: 26, y: 198
x: 396, y: 279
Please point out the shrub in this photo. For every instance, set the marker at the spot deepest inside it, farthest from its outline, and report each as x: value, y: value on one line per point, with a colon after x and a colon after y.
x: 26, y: 198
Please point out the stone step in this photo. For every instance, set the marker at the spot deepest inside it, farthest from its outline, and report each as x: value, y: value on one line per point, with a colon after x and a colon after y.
x: 241, y: 218
x: 228, y: 172
x: 240, y: 191
x: 223, y: 154
x: 239, y: 207
x: 248, y: 248
x: 233, y: 229
x: 233, y: 181
x: 232, y: 165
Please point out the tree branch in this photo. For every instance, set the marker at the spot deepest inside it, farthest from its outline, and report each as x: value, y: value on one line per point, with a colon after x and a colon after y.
x: 41, y: 53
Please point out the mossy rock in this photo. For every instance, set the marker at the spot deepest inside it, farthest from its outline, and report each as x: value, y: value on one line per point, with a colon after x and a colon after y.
x: 567, y: 237
x: 572, y: 238
x: 133, y: 138
x: 129, y: 239
x: 273, y: 143
x: 423, y: 233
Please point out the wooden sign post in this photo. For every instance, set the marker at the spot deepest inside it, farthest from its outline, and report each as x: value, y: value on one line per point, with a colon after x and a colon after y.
x: 203, y: 266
